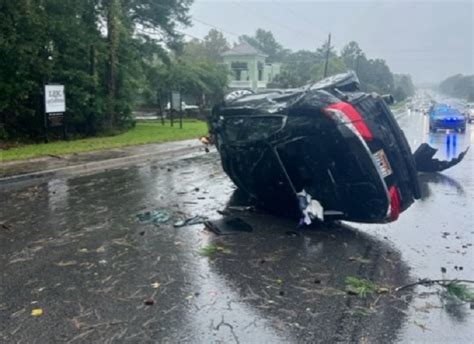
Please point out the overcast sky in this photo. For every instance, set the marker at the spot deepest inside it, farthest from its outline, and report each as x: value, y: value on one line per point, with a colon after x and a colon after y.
x: 430, y: 40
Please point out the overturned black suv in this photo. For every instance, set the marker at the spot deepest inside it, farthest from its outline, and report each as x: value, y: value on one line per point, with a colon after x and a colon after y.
x: 323, y: 151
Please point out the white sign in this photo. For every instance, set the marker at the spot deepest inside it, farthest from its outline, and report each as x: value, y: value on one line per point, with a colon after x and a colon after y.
x: 176, y: 101
x: 54, y: 98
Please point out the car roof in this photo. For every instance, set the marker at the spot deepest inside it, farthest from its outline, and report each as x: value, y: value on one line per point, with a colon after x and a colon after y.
x: 445, y: 109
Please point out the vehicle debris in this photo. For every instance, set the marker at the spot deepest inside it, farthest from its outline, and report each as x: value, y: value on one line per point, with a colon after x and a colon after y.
x: 241, y: 208
x: 156, y: 217
x: 328, y: 141
x: 425, y: 163
x: 195, y: 220
x: 228, y: 226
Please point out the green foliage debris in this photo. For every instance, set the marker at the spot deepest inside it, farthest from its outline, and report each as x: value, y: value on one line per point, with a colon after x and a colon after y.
x: 361, y: 287
x: 460, y: 290
x: 210, y: 250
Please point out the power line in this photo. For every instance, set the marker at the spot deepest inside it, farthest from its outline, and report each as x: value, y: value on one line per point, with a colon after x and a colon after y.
x: 215, y: 27
x: 270, y: 20
x: 155, y: 32
x: 299, y: 16
x: 189, y: 35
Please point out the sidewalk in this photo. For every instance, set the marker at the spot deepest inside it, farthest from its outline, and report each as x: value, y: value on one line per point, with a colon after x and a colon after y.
x: 13, y: 171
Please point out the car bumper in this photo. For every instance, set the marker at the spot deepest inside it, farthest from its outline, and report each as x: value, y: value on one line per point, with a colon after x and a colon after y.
x: 448, y: 124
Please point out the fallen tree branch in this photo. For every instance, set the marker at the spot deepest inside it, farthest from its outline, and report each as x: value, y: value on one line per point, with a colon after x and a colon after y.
x: 427, y: 281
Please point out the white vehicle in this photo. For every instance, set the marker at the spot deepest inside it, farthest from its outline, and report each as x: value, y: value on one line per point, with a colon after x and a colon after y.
x: 469, y: 112
x: 184, y: 106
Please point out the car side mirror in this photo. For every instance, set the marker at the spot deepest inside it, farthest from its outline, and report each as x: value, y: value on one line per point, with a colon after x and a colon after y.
x: 388, y: 99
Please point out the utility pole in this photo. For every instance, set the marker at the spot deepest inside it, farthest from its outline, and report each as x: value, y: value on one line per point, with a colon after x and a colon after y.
x: 327, y: 57
x: 357, y: 63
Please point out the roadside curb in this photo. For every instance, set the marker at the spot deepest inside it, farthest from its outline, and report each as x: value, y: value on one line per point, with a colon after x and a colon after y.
x: 98, y: 166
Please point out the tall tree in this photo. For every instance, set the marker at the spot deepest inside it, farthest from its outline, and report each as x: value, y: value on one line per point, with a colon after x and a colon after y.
x: 214, y: 45
x: 353, y: 56
x: 266, y: 42
x: 112, y: 10
x: 403, y: 86
x: 63, y: 41
x: 459, y: 86
x: 210, y: 48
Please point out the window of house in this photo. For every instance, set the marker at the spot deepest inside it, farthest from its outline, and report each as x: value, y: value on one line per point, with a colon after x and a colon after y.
x: 237, y: 68
x: 260, y: 71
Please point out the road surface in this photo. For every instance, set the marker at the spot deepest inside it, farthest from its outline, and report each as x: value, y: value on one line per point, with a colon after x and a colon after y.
x: 73, y: 247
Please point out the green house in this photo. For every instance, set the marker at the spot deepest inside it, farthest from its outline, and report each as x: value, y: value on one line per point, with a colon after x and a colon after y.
x: 248, y: 68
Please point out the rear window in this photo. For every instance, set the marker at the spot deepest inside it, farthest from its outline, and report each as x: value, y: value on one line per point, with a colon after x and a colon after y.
x: 252, y: 128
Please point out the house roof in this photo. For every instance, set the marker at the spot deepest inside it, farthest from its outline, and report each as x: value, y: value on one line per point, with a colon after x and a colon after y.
x: 243, y: 49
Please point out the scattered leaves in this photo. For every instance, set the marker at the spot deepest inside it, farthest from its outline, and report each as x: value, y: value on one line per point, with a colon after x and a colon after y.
x: 459, y: 290
x: 149, y: 302
x: 361, y: 287
x: 360, y: 260
x: 210, y: 250
x: 36, y: 312
x: 66, y: 263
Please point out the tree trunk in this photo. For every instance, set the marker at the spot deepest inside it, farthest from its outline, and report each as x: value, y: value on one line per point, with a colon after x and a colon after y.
x: 91, y: 122
x: 112, y: 40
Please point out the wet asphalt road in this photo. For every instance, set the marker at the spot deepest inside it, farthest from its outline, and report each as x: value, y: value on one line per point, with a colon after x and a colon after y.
x: 74, y: 248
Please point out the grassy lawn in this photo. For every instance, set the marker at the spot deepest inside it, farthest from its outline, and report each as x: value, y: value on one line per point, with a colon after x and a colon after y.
x: 144, y: 132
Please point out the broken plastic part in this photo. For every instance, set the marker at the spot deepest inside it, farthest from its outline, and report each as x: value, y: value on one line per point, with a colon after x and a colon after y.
x: 425, y: 163
x: 156, y: 217
x: 228, y: 226
x: 195, y: 220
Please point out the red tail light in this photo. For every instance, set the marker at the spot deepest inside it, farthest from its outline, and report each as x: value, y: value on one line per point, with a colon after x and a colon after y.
x: 394, y: 203
x: 346, y: 113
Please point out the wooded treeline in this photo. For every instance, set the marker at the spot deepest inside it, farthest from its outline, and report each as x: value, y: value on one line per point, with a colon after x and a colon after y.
x: 459, y: 86
x: 101, y: 50
x: 116, y: 55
